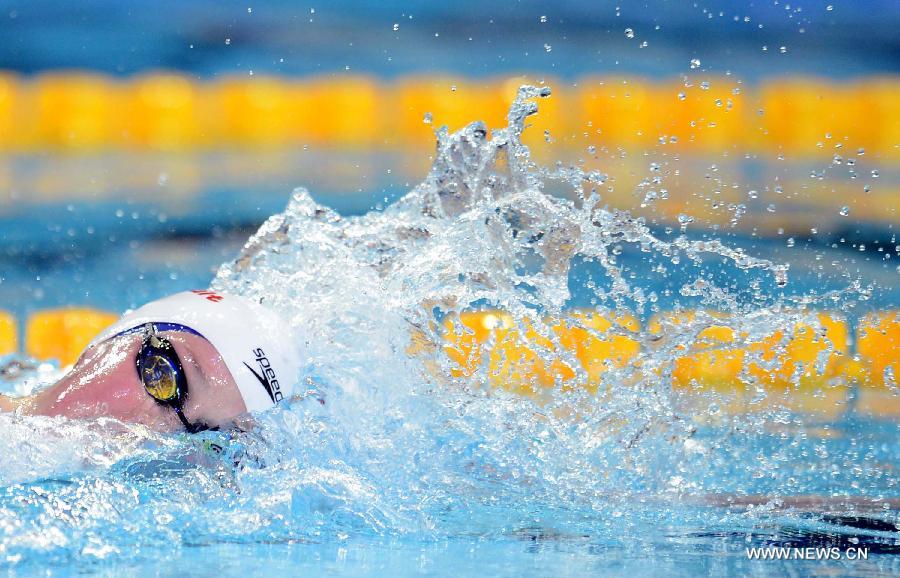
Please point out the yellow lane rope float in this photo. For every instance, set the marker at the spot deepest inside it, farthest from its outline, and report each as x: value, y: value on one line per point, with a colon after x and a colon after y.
x: 804, y: 117
x: 62, y: 334
x: 808, y: 369
x: 9, y: 334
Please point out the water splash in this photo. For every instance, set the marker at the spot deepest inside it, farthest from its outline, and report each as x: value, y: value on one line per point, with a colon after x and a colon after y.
x: 386, y: 437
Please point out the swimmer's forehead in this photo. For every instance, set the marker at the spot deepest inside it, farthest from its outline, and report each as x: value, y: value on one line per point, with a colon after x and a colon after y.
x: 194, y: 346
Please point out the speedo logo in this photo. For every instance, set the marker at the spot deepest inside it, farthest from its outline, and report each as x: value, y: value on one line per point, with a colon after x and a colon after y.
x: 266, y: 375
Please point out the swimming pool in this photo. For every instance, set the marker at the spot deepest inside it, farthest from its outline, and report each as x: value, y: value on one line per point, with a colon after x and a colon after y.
x: 399, y: 459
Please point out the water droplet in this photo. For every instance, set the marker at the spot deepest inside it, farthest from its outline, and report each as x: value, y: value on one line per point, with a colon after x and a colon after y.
x: 681, y: 96
x: 829, y: 8
x: 790, y: 242
x: 695, y: 63
x: 427, y: 118
x: 781, y: 276
x: 845, y: 210
x: 704, y: 85
x: 548, y: 48
x: 228, y: 41
x: 782, y: 49
x: 629, y: 33
x: 543, y: 19
x: 396, y: 27
x: 249, y: 10
x: 875, y: 173
x: 753, y: 194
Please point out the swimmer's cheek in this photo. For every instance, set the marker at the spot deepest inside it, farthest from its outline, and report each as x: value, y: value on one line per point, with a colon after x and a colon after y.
x: 146, y: 412
x: 6, y: 404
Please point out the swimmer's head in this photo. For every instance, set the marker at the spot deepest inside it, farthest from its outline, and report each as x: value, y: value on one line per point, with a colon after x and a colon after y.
x: 209, y: 356
x: 255, y: 344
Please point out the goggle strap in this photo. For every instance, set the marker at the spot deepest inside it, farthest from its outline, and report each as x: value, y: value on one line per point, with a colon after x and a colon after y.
x: 190, y: 427
x: 158, y: 327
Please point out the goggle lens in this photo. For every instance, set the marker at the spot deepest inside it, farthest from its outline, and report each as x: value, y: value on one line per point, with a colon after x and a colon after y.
x: 160, y: 377
x: 160, y: 371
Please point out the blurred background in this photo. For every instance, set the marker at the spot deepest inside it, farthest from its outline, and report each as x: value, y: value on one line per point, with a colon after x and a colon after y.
x: 142, y: 142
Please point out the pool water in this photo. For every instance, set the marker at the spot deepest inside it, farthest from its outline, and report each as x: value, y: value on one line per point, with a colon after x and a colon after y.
x: 672, y: 533
x: 394, y: 460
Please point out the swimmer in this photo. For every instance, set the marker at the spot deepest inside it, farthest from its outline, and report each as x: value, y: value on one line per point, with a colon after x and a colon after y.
x: 191, y: 362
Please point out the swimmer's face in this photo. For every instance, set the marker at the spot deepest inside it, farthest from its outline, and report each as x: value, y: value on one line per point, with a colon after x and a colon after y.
x: 104, y: 382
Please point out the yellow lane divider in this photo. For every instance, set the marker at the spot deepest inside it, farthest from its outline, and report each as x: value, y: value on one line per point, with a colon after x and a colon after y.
x: 62, y: 334
x: 164, y: 112
x: 805, y: 370
x: 878, y: 362
x: 711, y: 364
x: 513, y: 358
x: 705, y: 114
x: 809, y: 370
x: 9, y: 334
x: 777, y: 361
x: 878, y: 343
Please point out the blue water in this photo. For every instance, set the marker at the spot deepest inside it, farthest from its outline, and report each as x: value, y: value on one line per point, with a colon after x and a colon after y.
x: 469, y: 38
x: 133, y: 518
x: 533, y: 551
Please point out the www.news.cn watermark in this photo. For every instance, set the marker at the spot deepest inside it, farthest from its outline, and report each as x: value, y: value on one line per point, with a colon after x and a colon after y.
x: 833, y: 553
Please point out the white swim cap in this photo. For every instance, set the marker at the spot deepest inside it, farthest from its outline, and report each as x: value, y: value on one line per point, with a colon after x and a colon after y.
x: 258, y: 347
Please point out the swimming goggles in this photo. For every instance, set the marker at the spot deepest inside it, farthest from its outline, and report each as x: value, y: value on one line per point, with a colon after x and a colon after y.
x: 160, y: 370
